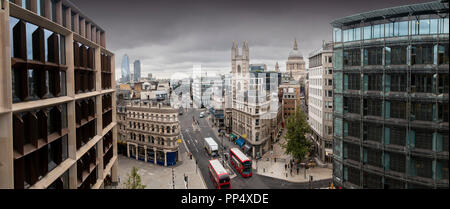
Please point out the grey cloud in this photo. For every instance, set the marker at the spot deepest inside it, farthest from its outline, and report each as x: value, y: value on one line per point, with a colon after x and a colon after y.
x: 170, y: 36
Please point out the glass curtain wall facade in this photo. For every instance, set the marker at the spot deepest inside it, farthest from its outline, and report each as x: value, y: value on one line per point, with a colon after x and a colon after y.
x: 391, y: 99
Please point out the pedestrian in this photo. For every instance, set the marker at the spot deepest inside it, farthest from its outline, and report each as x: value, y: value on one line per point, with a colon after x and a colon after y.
x: 119, y: 178
x: 297, y: 170
x: 285, y: 167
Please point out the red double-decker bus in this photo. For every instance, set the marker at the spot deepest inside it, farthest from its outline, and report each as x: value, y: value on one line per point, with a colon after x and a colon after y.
x: 219, y: 175
x: 241, y: 162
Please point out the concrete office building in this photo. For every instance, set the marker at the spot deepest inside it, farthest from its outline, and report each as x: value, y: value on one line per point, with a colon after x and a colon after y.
x: 390, y: 74
x: 57, y: 106
x: 152, y: 130
x: 289, y: 94
x: 320, y: 101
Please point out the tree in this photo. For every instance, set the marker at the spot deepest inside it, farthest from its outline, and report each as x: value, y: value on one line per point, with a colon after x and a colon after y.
x: 297, y: 145
x: 134, y: 180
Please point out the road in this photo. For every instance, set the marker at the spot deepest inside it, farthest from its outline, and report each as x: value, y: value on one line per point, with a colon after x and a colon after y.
x: 194, y: 140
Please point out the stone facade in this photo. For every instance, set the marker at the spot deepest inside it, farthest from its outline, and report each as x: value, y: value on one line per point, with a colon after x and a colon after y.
x: 320, y: 101
x: 151, y: 132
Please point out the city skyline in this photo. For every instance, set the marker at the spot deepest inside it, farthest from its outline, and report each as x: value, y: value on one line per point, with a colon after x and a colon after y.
x: 177, y: 35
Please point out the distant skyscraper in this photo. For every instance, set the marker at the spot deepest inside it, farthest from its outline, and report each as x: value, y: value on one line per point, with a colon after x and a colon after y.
x: 137, y: 70
x: 125, y: 69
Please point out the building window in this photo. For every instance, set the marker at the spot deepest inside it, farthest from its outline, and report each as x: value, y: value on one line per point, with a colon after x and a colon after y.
x: 351, y: 105
x: 397, y: 162
x: 398, y: 109
x: 353, y: 128
x: 374, y: 82
x: 352, y: 57
x: 422, y: 54
x: 422, y: 83
x: 372, y: 107
x: 396, y: 55
x: 443, y: 55
x: 373, y: 56
x: 353, y: 81
x: 422, y: 111
x: 42, y: 80
x: 398, y: 82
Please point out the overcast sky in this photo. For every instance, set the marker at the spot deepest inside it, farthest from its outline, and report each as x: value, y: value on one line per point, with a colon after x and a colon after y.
x: 170, y: 36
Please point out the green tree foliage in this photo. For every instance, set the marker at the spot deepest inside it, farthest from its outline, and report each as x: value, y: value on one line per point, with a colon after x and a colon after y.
x: 134, y: 180
x: 297, y: 145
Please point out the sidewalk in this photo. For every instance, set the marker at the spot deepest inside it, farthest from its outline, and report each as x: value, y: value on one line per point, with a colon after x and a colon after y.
x: 277, y: 170
x: 160, y: 177
x: 273, y: 164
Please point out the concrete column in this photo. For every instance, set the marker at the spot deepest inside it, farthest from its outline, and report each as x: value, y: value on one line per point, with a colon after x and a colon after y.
x: 137, y: 152
x: 154, y: 152
x: 82, y: 27
x: 94, y: 34
x: 98, y: 37
x: 76, y: 23
x: 253, y: 151
x: 145, y: 153
x: 47, y: 9
x: 6, y: 134
x: 73, y: 179
x: 59, y: 12
x: 165, y: 158
x: 69, y: 18
x: 100, y: 153
x: 103, y: 39
x: 33, y: 5
x: 88, y: 31
x: 128, y: 149
x: 114, y: 175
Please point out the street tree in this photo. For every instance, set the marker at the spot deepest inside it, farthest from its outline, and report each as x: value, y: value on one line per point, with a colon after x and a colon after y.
x: 134, y: 180
x: 297, y: 144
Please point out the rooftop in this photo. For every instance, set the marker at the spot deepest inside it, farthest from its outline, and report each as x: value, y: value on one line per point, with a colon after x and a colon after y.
x: 422, y: 8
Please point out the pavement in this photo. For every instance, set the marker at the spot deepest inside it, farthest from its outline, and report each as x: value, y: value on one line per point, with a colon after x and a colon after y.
x: 276, y: 165
x: 160, y: 177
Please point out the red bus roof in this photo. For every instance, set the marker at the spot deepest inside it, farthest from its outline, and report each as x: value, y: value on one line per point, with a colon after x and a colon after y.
x: 217, y: 166
x: 242, y: 157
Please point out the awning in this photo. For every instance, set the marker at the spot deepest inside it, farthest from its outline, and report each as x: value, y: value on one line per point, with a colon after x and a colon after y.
x: 240, y: 142
x: 247, y: 148
x: 328, y: 152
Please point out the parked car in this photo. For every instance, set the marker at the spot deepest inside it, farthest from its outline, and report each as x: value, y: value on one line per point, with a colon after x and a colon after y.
x: 202, y: 114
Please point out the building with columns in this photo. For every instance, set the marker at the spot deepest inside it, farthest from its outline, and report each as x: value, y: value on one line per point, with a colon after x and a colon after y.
x: 320, y: 101
x: 295, y: 65
x: 256, y: 112
x: 57, y: 103
x: 152, y: 130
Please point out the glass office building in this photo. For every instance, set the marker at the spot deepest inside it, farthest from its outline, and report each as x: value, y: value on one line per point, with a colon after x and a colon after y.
x: 391, y: 87
x: 125, y: 69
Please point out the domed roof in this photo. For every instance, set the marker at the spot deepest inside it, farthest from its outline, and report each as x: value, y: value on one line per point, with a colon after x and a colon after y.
x: 294, y: 53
